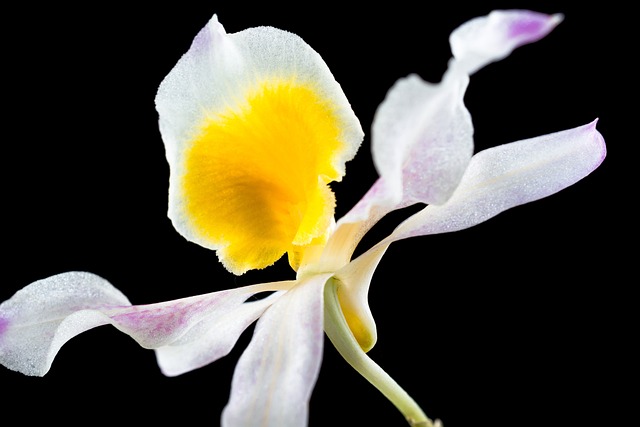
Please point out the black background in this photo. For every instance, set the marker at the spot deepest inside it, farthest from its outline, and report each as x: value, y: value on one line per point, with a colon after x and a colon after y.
x: 520, y: 321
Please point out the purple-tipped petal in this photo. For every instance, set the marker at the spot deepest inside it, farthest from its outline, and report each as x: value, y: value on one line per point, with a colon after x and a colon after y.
x: 43, y: 316
x: 422, y: 134
x: 490, y: 38
x: 275, y: 375
x: 509, y: 175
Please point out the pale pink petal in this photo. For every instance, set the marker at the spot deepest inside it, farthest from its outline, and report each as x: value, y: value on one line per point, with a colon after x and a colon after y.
x: 40, y: 318
x: 497, y: 179
x: 275, y: 375
x: 210, y: 339
x: 490, y: 38
x: 422, y: 139
x: 509, y: 175
x: 422, y: 134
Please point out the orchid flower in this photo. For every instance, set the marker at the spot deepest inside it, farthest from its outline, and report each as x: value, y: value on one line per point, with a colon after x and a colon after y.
x: 255, y: 128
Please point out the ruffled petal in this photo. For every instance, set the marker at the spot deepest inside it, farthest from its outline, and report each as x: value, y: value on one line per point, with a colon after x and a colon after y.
x: 509, y: 175
x: 275, y: 375
x: 40, y: 318
x: 255, y: 127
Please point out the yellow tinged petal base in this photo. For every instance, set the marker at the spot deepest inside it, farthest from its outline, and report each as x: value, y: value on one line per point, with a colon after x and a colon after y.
x: 255, y: 181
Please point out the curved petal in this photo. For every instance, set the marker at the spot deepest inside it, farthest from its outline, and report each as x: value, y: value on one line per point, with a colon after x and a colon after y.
x: 255, y: 127
x: 43, y: 316
x: 209, y: 340
x: 422, y: 134
x: 486, y: 39
x: 509, y: 175
x: 353, y: 281
x: 422, y: 139
x: 38, y: 319
x: 275, y: 375
x: 497, y: 179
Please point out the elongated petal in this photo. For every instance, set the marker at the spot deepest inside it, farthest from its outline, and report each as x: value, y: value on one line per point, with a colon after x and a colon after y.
x: 40, y: 318
x: 209, y: 340
x: 485, y: 39
x: 255, y: 127
x: 509, y: 175
x: 422, y: 134
x: 497, y: 179
x: 275, y: 375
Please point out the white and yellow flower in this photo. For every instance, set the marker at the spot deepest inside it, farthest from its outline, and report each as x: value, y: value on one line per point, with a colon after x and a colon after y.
x: 255, y: 128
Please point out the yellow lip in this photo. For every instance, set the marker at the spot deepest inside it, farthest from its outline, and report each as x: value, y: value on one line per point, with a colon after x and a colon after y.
x: 255, y: 180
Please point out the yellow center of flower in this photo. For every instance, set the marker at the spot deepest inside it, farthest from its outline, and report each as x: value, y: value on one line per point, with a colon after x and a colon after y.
x: 256, y: 176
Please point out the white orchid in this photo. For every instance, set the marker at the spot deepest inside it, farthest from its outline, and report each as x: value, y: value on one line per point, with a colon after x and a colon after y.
x: 255, y: 128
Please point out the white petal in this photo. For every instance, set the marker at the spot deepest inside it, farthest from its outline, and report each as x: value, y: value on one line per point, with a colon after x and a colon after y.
x: 210, y: 339
x: 275, y: 375
x: 188, y: 91
x: 422, y: 139
x: 43, y: 316
x: 485, y: 39
x: 509, y: 175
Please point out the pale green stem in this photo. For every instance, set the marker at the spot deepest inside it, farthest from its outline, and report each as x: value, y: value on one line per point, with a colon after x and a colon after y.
x: 340, y: 335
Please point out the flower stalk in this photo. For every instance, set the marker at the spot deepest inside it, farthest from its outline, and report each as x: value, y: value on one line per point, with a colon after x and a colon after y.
x: 338, y: 331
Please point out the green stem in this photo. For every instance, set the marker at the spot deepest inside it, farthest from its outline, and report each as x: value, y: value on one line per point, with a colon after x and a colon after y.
x: 340, y: 335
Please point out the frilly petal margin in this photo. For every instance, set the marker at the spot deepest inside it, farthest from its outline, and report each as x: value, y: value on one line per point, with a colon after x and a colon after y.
x: 214, y: 76
x: 43, y: 316
x: 275, y: 375
x: 509, y: 175
x: 422, y: 133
